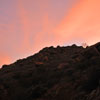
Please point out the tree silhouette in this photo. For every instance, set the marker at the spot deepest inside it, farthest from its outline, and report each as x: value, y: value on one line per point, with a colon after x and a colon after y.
x: 84, y: 45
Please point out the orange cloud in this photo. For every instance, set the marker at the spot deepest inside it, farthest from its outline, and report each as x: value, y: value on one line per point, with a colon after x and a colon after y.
x: 27, y: 27
x: 42, y: 38
x: 82, y: 23
x: 24, y: 25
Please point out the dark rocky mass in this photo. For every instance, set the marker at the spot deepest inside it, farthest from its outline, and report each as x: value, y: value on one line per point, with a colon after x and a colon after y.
x: 62, y: 73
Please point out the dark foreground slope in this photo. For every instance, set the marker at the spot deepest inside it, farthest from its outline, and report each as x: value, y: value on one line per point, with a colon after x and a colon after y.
x: 62, y: 73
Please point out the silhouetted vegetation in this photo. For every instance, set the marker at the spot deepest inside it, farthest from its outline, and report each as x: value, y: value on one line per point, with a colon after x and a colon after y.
x: 62, y: 73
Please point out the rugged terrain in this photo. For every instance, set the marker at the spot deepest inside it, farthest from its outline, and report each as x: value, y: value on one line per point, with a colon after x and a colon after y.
x: 61, y: 73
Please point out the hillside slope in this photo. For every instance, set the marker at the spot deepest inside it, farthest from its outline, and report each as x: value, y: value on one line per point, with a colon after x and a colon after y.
x: 62, y: 73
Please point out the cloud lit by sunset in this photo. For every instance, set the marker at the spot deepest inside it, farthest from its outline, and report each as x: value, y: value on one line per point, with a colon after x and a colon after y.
x: 81, y: 24
x: 26, y: 26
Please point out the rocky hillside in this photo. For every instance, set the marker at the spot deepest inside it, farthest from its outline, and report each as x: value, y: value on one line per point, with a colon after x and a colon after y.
x: 62, y: 73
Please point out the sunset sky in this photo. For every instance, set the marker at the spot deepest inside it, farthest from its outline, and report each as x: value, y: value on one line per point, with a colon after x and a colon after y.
x: 26, y: 26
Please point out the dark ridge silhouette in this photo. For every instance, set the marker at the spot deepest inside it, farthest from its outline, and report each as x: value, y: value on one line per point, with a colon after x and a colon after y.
x: 61, y: 73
